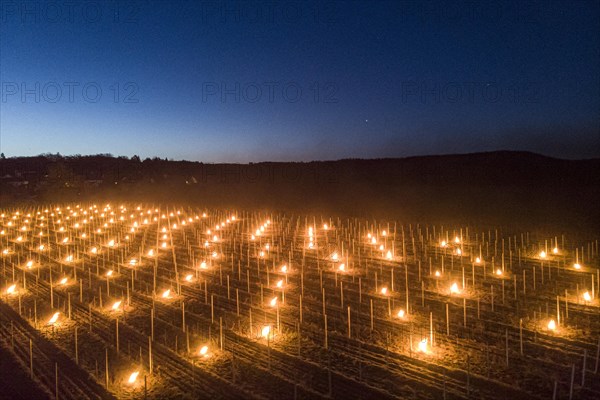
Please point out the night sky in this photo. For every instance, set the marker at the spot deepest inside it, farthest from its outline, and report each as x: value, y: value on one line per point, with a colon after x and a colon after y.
x: 253, y: 81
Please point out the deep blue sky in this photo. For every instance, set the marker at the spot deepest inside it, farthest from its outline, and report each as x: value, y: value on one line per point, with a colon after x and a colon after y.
x: 377, y: 79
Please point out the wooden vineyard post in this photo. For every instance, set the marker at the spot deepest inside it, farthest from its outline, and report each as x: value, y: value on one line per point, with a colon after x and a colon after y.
x: 117, y: 333
x: 212, y: 308
x: 183, y: 316
x: 76, y: 348
x: 584, y: 367
x: 325, y: 330
x: 557, y: 311
x: 572, y: 382
x: 597, y: 357
x: 30, y: 359
x: 106, y: 367
x: 278, y: 320
x: 56, y: 380
x: 349, y: 335
x: 187, y: 340
x: 152, y: 323
x: 221, y: 333
x: 521, y: 335
x: 447, y: 321
x: 371, y: 300
x: 360, y: 290
x: 431, y: 328
x: 150, y: 354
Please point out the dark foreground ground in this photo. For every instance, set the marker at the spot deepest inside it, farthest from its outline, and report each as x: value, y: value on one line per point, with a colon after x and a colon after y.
x: 14, y: 381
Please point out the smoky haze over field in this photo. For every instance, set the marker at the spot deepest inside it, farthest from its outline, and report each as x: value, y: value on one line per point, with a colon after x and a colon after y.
x: 498, y: 187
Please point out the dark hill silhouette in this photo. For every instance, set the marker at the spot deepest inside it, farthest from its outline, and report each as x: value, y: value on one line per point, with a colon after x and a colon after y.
x: 501, y: 187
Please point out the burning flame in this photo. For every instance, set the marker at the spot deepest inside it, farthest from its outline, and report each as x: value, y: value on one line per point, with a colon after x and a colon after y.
x: 401, y: 314
x: 189, y: 277
x: 166, y: 294
x: 63, y: 281
x: 552, y: 325
x: 204, y: 351
x: 266, y: 330
x: 273, y: 302
x: 423, y: 346
x: 389, y: 255
x: 384, y: 290
x: 587, y: 297
x: 577, y: 266
x: 11, y: 289
x: 133, y: 377
x: 116, y: 305
x: 342, y: 267
x: 454, y: 288
x: 542, y: 254
x: 54, y: 318
x: 280, y: 283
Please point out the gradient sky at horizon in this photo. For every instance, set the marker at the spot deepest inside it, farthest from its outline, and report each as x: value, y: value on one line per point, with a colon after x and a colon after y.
x: 252, y: 81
